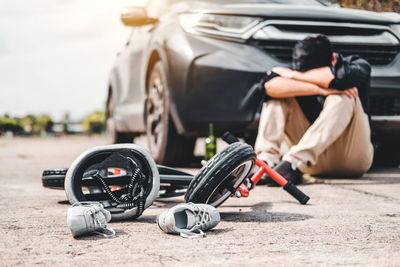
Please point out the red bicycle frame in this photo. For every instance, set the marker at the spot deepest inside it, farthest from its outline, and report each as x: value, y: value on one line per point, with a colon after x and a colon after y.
x: 244, y: 191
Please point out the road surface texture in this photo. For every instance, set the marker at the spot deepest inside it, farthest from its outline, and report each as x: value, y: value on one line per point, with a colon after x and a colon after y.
x: 353, y: 222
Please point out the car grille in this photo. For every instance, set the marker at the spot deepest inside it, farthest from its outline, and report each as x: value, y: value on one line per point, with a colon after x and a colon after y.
x: 384, y: 105
x: 374, y: 54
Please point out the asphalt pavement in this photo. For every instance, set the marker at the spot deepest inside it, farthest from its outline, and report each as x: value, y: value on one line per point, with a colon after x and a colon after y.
x: 347, y: 222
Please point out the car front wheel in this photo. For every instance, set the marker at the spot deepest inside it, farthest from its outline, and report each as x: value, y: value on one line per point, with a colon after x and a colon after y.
x: 165, y: 144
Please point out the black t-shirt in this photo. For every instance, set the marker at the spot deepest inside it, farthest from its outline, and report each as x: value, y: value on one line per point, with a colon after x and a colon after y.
x: 349, y: 71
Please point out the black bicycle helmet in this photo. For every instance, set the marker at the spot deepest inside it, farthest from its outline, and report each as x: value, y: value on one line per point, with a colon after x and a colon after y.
x: 123, y: 177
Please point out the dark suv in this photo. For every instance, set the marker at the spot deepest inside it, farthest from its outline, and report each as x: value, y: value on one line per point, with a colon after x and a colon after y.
x: 189, y: 63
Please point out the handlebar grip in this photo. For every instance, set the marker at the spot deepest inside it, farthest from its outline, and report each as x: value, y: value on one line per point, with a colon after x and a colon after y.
x: 296, y: 193
x: 229, y: 138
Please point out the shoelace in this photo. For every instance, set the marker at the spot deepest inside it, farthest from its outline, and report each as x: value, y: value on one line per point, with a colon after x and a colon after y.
x: 195, y: 231
x: 104, y: 229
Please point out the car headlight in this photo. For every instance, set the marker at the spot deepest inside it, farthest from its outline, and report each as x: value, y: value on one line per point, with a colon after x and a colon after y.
x: 221, y: 25
x: 396, y: 29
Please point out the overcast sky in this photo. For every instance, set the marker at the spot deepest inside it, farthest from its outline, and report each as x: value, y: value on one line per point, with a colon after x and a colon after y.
x: 55, y: 55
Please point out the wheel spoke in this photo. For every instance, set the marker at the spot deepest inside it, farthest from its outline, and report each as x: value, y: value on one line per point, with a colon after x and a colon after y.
x: 158, y: 129
x: 230, y: 188
x: 155, y: 114
x: 229, y: 184
x: 150, y: 119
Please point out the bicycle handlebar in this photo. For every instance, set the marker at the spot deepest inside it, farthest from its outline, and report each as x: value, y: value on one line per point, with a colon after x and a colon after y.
x: 229, y: 138
x: 296, y: 193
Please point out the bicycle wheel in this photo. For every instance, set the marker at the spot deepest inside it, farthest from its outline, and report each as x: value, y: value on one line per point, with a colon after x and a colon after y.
x: 173, y: 182
x: 54, y: 178
x: 222, y: 175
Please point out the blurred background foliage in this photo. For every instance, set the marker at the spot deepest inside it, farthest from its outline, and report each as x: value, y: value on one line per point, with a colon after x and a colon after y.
x: 95, y: 123
x: 374, y: 5
x: 31, y: 124
x: 10, y: 124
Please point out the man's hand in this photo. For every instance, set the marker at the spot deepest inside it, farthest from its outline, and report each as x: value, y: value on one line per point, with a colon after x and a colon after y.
x: 352, y: 93
x: 284, y: 72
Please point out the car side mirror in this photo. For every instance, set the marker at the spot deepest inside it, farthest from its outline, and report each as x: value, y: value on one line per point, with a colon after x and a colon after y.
x: 136, y: 16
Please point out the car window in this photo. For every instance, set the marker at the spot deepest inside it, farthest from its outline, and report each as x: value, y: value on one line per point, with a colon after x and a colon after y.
x: 284, y: 2
x: 155, y: 8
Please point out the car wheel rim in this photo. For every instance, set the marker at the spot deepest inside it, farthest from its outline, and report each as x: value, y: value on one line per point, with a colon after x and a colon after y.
x: 155, y: 115
x: 110, y: 122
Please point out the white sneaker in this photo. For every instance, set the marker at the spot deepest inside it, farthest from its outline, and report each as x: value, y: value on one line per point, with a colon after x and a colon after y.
x: 189, y: 220
x: 89, y: 217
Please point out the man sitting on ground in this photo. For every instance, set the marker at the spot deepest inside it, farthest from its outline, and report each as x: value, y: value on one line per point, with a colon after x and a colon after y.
x: 316, y: 109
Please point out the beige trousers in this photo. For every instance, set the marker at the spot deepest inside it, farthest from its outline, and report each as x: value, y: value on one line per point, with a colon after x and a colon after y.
x: 336, y: 144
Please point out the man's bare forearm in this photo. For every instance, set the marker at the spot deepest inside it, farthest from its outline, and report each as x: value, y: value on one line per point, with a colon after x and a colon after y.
x: 320, y: 76
x: 282, y: 88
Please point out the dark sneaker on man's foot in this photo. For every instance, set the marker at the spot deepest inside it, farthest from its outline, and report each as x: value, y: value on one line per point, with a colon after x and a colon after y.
x: 289, y: 172
x: 267, y: 180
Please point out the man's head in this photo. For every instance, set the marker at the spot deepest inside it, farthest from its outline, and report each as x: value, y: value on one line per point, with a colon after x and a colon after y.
x: 314, y: 51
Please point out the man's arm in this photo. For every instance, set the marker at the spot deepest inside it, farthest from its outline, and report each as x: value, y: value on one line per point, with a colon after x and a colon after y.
x: 354, y: 72
x: 320, y: 76
x: 280, y: 87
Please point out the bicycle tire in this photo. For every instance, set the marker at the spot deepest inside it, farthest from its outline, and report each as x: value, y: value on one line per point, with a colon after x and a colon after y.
x: 217, y: 174
x: 54, y: 178
x: 171, y: 186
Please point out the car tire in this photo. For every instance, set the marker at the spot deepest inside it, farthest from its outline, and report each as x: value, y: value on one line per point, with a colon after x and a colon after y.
x: 116, y: 136
x: 226, y: 169
x: 386, y: 153
x: 166, y: 146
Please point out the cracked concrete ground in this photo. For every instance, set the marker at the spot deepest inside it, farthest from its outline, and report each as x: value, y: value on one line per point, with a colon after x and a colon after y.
x: 347, y: 221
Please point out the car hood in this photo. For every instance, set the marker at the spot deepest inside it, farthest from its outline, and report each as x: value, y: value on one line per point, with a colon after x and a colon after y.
x: 319, y: 13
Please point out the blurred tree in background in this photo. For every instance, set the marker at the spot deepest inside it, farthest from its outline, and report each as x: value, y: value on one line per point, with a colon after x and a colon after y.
x: 374, y: 5
x: 65, y: 123
x: 30, y: 124
x: 95, y: 123
x: 9, y: 124
x: 46, y: 123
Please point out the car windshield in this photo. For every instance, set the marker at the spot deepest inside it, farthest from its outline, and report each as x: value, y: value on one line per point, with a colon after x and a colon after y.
x: 283, y: 2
